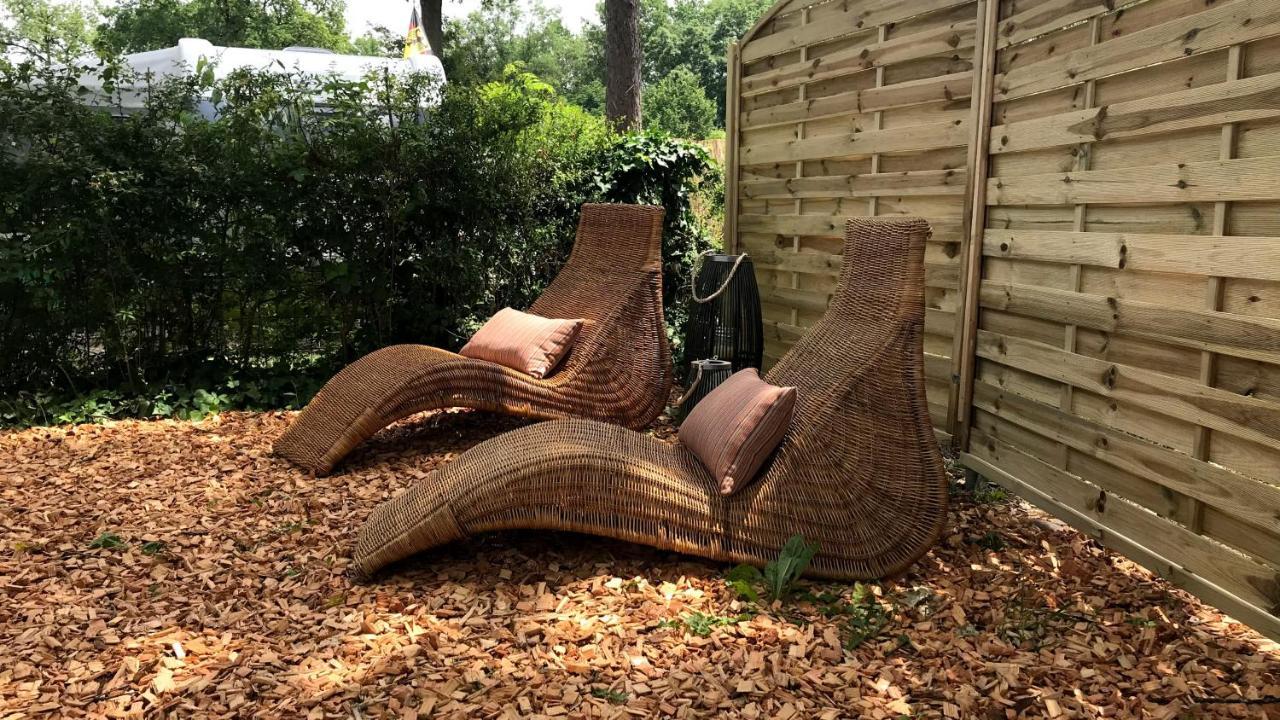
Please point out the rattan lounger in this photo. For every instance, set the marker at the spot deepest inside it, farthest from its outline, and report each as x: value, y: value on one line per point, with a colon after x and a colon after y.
x: 859, y: 471
x: 619, y: 369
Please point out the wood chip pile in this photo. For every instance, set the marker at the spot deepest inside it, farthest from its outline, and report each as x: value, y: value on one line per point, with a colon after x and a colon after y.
x: 178, y: 569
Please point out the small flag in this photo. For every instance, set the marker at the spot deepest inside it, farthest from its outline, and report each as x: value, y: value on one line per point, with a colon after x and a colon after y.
x: 415, y: 42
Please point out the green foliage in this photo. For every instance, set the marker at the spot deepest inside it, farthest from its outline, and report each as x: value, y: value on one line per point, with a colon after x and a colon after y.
x: 973, y: 487
x: 867, y: 617
x: 694, y: 34
x: 155, y: 547
x: 614, y: 697
x: 690, y: 36
x: 139, y: 25
x: 702, y: 624
x: 185, y: 266
x: 480, y: 46
x: 25, y: 408
x: 45, y: 29
x: 107, y: 541
x: 989, y: 493
x: 379, y: 41
x: 676, y: 104
x: 661, y: 171
x: 992, y: 541
x: 779, y: 576
x: 744, y: 579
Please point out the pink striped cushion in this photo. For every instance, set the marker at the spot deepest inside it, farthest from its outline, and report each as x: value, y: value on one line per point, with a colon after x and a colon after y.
x: 737, y: 425
x: 528, y: 343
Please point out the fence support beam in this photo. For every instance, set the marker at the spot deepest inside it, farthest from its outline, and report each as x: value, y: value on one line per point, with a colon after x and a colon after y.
x: 963, y: 353
x: 732, y: 108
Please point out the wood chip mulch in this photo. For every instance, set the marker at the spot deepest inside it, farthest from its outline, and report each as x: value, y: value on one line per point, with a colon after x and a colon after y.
x: 170, y: 569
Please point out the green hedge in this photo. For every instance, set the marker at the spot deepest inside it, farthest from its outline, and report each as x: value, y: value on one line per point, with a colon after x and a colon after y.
x: 162, y: 263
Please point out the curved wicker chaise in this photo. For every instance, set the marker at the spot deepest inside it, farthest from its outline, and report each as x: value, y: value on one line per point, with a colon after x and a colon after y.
x: 859, y: 471
x: 619, y: 369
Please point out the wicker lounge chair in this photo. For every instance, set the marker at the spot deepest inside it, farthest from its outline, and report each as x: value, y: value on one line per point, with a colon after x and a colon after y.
x: 859, y: 472
x: 618, y: 371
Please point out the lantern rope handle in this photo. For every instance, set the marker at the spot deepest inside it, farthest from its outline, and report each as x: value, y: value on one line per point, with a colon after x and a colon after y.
x: 698, y: 267
x: 697, y: 378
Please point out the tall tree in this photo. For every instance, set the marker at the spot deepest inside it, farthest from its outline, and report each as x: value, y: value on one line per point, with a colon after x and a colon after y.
x: 623, y: 63
x: 433, y: 21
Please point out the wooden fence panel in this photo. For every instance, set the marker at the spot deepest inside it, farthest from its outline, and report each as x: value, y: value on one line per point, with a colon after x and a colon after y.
x: 1118, y: 282
x: 1103, y: 179
x: 853, y: 109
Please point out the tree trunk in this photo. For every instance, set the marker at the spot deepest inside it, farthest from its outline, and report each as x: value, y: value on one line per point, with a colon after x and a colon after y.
x: 433, y: 23
x: 622, y: 57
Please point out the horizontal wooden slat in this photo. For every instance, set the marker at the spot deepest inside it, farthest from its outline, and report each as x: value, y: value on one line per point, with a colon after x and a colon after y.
x: 811, y: 225
x: 942, y: 88
x: 866, y: 143
x: 1242, y: 587
x: 936, y: 322
x: 940, y: 276
x: 1229, y: 23
x: 1228, y: 102
x: 937, y: 366
x: 1210, y: 255
x: 1252, y: 337
x: 783, y: 331
x: 1209, y: 181
x: 781, y: 11
x: 936, y: 41
x: 899, y: 184
x: 939, y: 322
x: 1242, y: 497
x: 851, y: 18
x: 1250, y: 418
x: 1046, y: 17
x: 945, y: 229
x: 799, y: 299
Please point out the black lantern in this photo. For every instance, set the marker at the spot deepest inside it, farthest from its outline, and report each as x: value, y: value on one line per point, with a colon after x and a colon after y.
x: 707, y: 376
x: 724, y: 323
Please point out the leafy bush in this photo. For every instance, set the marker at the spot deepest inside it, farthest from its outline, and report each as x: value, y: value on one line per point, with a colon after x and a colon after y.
x: 173, y: 264
x: 657, y: 170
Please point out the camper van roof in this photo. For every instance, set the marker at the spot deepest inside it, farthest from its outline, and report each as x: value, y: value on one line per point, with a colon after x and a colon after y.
x: 186, y: 55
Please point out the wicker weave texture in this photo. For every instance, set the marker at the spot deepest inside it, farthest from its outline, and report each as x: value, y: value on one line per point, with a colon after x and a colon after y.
x: 619, y: 370
x: 859, y: 472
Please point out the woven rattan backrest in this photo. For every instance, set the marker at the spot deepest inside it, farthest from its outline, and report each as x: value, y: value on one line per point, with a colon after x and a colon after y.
x: 618, y: 249
x: 879, y: 300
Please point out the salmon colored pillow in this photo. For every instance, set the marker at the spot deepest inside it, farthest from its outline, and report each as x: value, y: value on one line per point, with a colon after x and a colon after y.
x: 737, y: 425
x: 528, y: 343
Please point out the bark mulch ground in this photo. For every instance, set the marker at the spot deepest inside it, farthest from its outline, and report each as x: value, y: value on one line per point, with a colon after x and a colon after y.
x: 178, y: 569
